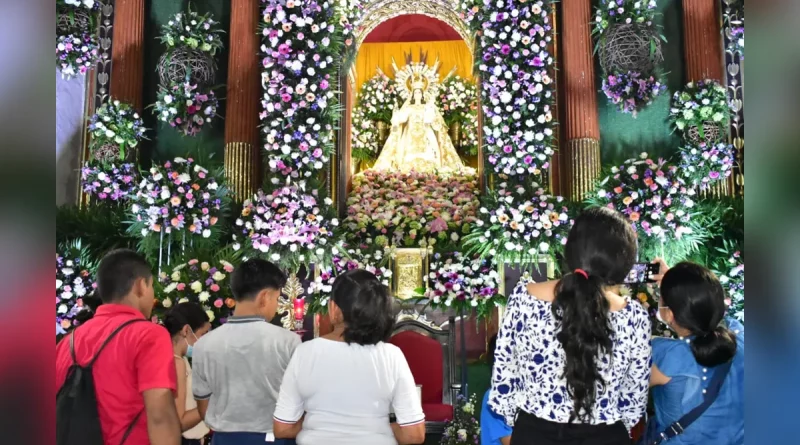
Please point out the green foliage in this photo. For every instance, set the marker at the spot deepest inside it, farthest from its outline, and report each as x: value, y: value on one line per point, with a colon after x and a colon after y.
x: 101, y: 227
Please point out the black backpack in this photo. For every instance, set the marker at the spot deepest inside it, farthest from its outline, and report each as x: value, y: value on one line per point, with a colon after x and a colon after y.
x: 77, y: 419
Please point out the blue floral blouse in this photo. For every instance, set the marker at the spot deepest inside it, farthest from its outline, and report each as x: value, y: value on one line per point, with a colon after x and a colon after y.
x: 529, y: 365
x: 723, y: 421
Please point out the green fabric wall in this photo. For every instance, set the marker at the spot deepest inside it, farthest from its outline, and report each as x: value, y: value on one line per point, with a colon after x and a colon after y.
x: 165, y: 142
x: 622, y: 136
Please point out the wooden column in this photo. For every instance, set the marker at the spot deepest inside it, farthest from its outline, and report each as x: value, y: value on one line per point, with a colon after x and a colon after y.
x: 702, y: 40
x: 581, y: 158
x: 127, y: 52
x: 244, y: 93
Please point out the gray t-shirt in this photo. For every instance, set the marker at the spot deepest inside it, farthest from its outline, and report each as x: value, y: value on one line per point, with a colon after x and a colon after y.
x: 239, y: 367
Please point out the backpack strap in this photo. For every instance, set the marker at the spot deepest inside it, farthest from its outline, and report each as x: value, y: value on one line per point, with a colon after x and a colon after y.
x: 710, y: 396
x: 105, y: 342
x: 130, y: 427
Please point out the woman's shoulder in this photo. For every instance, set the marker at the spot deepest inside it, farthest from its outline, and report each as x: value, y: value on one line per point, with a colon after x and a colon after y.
x: 528, y: 292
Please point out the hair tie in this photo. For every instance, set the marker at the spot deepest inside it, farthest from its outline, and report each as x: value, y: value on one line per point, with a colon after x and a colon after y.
x: 582, y: 272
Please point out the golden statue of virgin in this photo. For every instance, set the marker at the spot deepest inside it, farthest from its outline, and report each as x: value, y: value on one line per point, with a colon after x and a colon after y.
x: 419, y: 139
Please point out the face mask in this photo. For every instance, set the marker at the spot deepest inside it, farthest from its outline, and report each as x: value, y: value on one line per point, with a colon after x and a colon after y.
x: 188, y: 346
x: 660, y: 318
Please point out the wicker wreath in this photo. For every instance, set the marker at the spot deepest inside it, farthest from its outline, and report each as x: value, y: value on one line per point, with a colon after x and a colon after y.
x: 71, y: 20
x: 628, y: 48
x: 181, y: 63
x: 106, y: 153
x: 712, y: 133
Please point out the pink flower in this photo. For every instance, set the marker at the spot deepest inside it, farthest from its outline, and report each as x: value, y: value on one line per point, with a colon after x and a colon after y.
x: 193, y: 262
x: 218, y: 303
x: 181, y: 286
x: 214, y: 287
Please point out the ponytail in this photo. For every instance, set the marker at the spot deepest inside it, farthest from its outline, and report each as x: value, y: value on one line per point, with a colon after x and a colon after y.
x: 715, y: 347
x: 697, y: 301
x: 581, y: 310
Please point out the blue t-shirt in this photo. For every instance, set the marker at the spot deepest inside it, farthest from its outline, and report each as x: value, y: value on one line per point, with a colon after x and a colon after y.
x: 723, y: 422
x: 493, y: 427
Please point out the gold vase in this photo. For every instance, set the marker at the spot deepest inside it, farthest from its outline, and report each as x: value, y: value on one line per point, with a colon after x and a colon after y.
x: 455, y: 134
x: 382, y: 129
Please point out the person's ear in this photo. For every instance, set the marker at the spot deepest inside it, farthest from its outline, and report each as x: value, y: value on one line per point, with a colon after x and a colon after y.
x: 186, y: 330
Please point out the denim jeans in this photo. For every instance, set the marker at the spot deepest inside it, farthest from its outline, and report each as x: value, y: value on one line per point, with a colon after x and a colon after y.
x: 246, y: 439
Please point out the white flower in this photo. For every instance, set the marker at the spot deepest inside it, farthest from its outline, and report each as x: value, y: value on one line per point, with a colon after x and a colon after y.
x: 59, y: 283
x: 170, y: 288
x: 218, y: 276
x: 203, y: 296
x: 167, y: 303
x: 176, y: 276
x: 168, y: 99
x: 196, y: 286
x: 210, y: 315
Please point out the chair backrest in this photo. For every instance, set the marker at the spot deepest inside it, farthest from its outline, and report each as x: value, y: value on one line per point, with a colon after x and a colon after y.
x: 430, y: 352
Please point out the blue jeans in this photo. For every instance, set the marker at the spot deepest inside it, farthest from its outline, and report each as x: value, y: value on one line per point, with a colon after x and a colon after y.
x: 246, y: 439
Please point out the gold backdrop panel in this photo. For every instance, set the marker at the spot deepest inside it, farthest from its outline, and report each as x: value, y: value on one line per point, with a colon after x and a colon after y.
x: 451, y: 53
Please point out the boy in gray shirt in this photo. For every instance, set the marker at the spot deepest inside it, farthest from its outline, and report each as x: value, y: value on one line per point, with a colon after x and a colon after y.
x: 238, y: 367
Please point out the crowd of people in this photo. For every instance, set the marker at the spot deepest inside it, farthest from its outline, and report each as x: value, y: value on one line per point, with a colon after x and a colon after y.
x: 573, y: 363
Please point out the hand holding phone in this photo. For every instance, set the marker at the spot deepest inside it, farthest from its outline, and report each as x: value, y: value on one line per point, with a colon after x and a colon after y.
x: 641, y: 273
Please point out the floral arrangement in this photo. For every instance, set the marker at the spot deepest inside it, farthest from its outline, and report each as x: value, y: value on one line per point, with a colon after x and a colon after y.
x: 201, y: 282
x: 341, y: 262
x: 659, y: 204
x: 185, y: 107
x: 190, y: 29
x: 76, y: 53
x: 74, y: 282
x: 464, y: 429
x: 300, y: 46
x: 523, y: 231
x: 351, y: 12
x: 118, y: 124
x: 734, y: 26
x: 178, y: 197
x: 378, y: 98
x: 463, y: 283
x: 651, y: 195
x: 516, y: 84
x: 411, y: 209
x: 699, y: 102
x: 110, y: 183
x: 88, y: 4
x: 706, y: 164
x: 730, y: 270
x: 459, y: 100
x: 364, y: 137
x: 611, y: 12
x: 631, y: 91
x: 287, y: 225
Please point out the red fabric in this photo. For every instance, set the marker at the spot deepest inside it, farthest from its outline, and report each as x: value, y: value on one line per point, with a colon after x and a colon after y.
x: 437, y: 412
x: 139, y: 358
x: 425, y: 358
x: 412, y: 28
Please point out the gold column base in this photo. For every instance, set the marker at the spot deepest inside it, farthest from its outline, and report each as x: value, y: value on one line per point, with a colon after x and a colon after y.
x: 410, y: 266
x: 240, y: 169
x: 582, y: 167
x: 719, y: 189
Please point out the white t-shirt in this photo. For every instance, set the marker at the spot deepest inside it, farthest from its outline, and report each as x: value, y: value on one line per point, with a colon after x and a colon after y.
x: 346, y: 392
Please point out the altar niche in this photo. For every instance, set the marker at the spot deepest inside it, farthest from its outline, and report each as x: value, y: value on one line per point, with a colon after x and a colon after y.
x: 409, y: 153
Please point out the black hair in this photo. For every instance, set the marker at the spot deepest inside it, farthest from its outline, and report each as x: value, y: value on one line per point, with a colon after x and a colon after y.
x: 366, y: 306
x: 182, y: 314
x: 490, y: 350
x: 697, y: 300
x: 117, y: 273
x: 255, y: 275
x: 603, y: 245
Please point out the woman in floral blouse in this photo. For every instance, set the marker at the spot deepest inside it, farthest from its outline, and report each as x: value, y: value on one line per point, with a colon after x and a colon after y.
x: 573, y: 356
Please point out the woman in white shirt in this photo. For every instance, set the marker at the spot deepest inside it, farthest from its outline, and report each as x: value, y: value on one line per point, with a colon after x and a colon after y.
x: 572, y: 362
x: 340, y: 389
x: 186, y: 323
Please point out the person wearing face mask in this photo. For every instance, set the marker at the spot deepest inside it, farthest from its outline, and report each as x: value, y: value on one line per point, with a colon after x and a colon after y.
x: 186, y: 323
x: 685, y: 371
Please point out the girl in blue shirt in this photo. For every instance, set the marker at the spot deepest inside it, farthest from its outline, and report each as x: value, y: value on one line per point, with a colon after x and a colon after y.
x: 692, y: 304
x: 494, y: 430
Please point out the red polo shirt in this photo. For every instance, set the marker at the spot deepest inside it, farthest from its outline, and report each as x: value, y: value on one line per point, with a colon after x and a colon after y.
x: 139, y: 358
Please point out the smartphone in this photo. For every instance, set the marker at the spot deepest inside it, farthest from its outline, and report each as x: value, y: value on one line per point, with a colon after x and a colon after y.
x: 641, y: 273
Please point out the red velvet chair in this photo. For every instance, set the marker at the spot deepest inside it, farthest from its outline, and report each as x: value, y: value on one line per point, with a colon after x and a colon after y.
x: 430, y: 352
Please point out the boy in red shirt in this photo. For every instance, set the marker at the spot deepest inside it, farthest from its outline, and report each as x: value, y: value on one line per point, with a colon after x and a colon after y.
x: 134, y: 376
